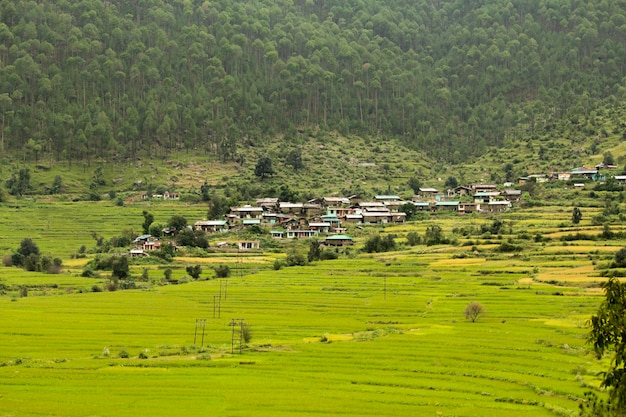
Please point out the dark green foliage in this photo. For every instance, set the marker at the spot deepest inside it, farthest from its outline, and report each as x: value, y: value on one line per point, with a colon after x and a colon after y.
x: 287, y: 194
x: 509, y: 247
x: 218, y: 207
x: 328, y: 254
x: 294, y: 160
x: 222, y: 271
x: 118, y: 79
x: 620, y: 258
x: 608, y: 158
x: 377, y: 243
x: 19, y: 183
x: 148, y: 219
x: 577, y: 215
x: 434, y: 236
x: 414, y: 184
x: 119, y: 267
x: 315, y: 250
x: 194, y: 271
x: 167, y: 274
x: 295, y: 259
x: 156, y: 230
x: 409, y: 209
x: 57, y: 185
x: 495, y: 228
x: 278, y: 265
x: 413, y: 238
x: 608, y: 334
x: 166, y: 252
x: 193, y: 238
x: 177, y: 223
x: 28, y: 247
x: 263, y: 167
x: 451, y: 182
x: 204, y: 191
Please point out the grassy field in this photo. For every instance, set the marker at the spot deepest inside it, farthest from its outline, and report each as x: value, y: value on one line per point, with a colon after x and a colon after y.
x: 367, y: 334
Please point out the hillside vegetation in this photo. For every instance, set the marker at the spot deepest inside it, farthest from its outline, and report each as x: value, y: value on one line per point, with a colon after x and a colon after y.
x: 101, y: 79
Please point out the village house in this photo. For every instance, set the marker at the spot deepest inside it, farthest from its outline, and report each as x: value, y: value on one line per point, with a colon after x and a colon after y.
x: 335, y: 202
x: 332, y: 220
x: 590, y: 174
x: 291, y: 208
x: 386, y: 198
x: 211, y: 226
x: 247, y: 212
x: 320, y: 227
x: 486, y: 196
x: 354, y: 218
x: 620, y: 178
x: 560, y: 176
x: 422, y: 205
x: 268, y: 203
x: 248, y: 245
x: 311, y: 210
x: 427, y: 193
x: 483, y: 187
x: 467, y: 208
x: 496, y: 206
x: 151, y: 244
x: 300, y: 234
x: 447, y: 206
x: 277, y: 234
x: 171, y: 196
x: 371, y: 205
x: 511, y: 194
x: 462, y: 190
x: 338, y: 240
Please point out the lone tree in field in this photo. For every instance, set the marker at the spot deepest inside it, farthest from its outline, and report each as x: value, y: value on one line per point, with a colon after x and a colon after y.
x: 608, y: 334
x: 473, y: 310
x: 577, y: 215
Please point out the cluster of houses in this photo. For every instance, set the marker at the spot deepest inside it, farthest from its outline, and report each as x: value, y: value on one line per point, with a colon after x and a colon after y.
x: 330, y: 215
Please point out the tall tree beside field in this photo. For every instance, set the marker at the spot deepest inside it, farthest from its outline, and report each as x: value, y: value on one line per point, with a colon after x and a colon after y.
x: 148, y: 219
x: 608, y: 336
x: 577, y: 215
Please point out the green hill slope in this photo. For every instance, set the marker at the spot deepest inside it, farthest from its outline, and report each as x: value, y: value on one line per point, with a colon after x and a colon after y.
x: 90, y: 79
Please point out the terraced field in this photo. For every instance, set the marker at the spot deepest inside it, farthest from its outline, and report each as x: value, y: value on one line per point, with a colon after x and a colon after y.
x: 367, y: 334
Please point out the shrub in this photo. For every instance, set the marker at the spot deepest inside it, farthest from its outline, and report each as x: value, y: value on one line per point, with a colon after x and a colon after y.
x: 222, y: 271
x: 123, y: 354
x: 295, y: 258
x: 246, y: 333
x: 278, y: 264
x: 413, y: 238
x: 167, y: 274
x: 328, y: 254
x: 194, y: 271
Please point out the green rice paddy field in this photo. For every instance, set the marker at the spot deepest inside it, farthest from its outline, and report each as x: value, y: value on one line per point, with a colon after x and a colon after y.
x: 379, y: 335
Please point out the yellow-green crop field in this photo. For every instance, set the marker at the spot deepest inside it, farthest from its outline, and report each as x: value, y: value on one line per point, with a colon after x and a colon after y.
x: 365, y: 335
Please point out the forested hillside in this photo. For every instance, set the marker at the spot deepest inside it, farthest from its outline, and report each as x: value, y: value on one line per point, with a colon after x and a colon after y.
x: 111, y: 78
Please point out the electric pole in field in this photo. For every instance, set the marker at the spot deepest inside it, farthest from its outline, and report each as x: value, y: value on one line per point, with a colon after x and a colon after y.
x: 236, y: 334
x: 200, y: 323
x: 217, y: 305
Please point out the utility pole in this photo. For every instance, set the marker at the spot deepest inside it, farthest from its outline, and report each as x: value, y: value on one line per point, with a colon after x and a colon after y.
x: 201, y: 323
x: 217, y: 306
x: 236, y: 323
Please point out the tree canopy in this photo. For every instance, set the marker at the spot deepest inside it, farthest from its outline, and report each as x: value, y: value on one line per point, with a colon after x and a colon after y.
x: 83, y: 79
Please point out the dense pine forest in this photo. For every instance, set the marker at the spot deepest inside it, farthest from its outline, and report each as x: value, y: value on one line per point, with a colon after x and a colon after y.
x: 114, y: 79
